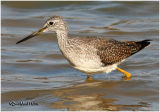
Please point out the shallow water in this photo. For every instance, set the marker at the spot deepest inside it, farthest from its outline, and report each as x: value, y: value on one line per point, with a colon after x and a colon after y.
x: 35, y: 71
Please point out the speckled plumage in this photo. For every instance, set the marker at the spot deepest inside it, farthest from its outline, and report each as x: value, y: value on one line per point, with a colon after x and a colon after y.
x: 90, y: 54
x: 104, y: 52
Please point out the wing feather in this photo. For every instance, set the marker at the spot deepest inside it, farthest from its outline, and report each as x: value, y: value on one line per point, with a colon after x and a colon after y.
x: 113, y: 51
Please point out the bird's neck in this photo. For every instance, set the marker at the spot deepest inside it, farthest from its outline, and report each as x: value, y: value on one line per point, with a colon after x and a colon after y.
x: 62, y: 37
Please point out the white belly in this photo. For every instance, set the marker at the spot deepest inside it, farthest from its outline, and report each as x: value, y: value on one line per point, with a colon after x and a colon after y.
x: 84, y: 60
x: 87, y: 61
x: 90, y: 71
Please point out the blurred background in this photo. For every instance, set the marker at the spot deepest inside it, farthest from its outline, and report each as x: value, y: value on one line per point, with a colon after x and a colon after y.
x: 36, y: 70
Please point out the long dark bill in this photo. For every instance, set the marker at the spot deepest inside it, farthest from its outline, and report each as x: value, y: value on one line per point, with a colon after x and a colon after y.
x: 32, y: 35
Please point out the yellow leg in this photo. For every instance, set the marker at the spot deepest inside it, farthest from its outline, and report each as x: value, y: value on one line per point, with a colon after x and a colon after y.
x: 89, y: 77
x: 127, y: 74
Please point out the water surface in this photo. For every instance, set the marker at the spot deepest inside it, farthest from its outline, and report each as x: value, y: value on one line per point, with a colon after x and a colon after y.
x: 36, y: 71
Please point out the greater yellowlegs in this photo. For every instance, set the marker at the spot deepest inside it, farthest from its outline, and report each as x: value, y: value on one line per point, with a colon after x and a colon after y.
x: 90, y: 55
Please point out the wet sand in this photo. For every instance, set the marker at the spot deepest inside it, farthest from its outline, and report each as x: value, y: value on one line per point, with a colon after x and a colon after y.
x: 36, y: 71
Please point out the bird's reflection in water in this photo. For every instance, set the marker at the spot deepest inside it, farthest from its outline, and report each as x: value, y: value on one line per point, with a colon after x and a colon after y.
x: 94, y: 95
x: 89, y: 95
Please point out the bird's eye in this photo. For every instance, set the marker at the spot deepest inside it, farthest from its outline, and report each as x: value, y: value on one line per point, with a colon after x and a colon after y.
x: 51, y: 23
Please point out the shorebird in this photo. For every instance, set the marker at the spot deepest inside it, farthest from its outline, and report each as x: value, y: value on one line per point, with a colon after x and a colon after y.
x: 90, y: 55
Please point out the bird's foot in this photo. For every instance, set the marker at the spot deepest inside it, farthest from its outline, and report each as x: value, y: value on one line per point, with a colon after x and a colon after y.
x: 126, y: 78
x: 127, y: 74
x: 89, y: 78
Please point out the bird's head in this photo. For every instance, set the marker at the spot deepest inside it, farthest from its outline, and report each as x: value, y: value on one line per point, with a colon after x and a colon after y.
x: 54, y: 24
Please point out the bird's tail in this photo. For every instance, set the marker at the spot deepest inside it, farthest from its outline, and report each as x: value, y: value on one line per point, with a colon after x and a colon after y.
x: 143, y: 43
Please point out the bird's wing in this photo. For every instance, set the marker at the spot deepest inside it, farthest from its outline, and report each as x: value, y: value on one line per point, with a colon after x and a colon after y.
x: 112, y: 51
